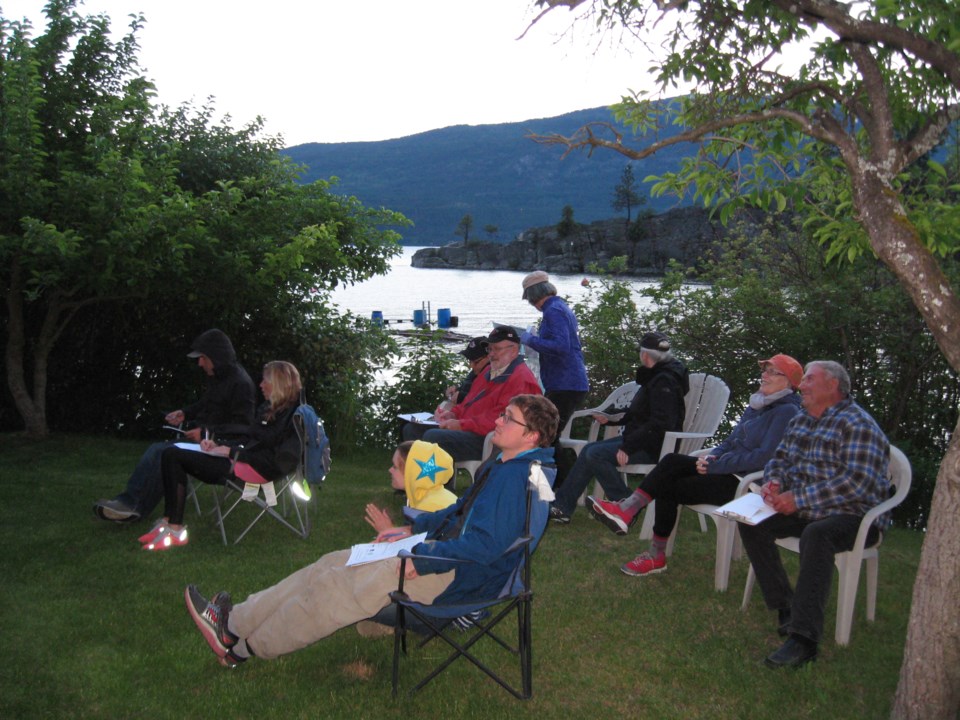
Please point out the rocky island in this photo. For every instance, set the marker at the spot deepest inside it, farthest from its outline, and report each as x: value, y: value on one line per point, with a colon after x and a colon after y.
x: 649, y: 243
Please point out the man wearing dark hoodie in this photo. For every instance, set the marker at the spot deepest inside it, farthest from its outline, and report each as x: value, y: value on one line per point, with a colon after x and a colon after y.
x: 226, y: 406
x: 657, y: 407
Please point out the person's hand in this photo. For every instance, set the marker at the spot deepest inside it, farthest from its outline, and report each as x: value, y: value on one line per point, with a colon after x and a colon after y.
x: 410, y: 572
x: 784, y: 503
x: 193, y: 435
x: 622, y: 458
x: 392, y: 534
x: 378, y: 518
x: 702, y: 462
x: 601, y: 419
x: 211, y: 447
x: 440, y: 415
x: 450, y: 393
x: 174, y: 418
x: 450, y: 425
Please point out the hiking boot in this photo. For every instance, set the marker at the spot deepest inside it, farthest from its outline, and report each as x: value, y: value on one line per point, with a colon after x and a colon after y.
x: 211, y: 620
x: 611, y: 515
x: 645, y: 564
x: 115, y: 511
x: 558, y: 515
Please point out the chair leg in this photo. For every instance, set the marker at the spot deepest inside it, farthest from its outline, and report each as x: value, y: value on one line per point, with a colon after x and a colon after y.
x: 872, y: 569
x: 849, y: 578
x: 726, y: 531
x: 646, y: 529
x: 748, y: 588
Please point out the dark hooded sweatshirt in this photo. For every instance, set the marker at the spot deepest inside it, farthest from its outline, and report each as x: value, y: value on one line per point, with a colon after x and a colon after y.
x: 657, y: 407
x: 227, y: 406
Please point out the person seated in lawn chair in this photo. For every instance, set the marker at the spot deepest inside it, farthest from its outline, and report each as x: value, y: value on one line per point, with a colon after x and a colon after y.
x: 657, y: 407
x: 327, y: 595
x: 463, y: 429
x: 686, y: 480
x: 421, y: 470
x: 226, y: 408
x: 271, y: 452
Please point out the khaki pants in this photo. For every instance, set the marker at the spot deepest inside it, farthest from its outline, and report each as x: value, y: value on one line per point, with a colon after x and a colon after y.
x: 322, y: 598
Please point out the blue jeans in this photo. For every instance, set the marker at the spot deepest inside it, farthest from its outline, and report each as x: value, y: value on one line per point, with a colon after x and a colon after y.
x: 145, y: 485
x: 820, y: 540
x: 597, y: 460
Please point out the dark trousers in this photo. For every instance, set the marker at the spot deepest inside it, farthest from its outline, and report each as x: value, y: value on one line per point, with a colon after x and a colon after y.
x: 175, y: 465
x: 675, y: 482
x: 145, y: 486
x: 820, y: 540
x: 567, y: 402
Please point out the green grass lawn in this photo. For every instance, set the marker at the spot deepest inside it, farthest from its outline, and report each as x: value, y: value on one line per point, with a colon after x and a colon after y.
x: 93, y: 627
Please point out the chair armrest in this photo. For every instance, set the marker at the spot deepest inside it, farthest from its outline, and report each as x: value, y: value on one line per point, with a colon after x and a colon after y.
x: 672, y: 437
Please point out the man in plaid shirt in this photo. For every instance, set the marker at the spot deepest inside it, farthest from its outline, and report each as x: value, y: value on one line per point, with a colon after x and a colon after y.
x: 828, y: 471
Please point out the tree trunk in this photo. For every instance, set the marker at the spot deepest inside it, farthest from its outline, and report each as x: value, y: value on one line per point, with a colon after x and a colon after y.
x: 32, y: 409
x: 929, y: 686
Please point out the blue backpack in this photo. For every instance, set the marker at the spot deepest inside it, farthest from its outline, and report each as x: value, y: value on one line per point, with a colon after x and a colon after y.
x: 316, y: 444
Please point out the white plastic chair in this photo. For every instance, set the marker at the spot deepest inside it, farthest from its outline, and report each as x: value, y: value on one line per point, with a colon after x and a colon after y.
x: 618, y: 400
x: 471, y: 466
x: 705, y: 403
x: 848, y: 563
x: 729, y: 547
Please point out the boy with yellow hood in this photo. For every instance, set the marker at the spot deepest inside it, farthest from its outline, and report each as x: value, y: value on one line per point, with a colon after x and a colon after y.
x: 422, y: 469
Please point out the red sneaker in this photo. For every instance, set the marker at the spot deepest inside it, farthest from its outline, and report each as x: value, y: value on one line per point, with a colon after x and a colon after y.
x: 645, y: 564
x: 152, y: 533
x: 168, y: 538
x: 611, y: 515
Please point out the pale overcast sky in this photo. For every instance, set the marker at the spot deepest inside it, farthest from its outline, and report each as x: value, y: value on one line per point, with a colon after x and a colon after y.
x: 326, y: 71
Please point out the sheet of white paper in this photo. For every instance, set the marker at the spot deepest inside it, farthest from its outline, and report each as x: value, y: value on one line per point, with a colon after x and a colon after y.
x: 371, y: 552
x: 749, y: 508
x: 421, y: 418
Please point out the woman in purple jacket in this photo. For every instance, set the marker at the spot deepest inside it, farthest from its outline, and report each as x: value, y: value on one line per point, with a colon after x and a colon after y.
x: 562, y: 371
x: 687, y: 480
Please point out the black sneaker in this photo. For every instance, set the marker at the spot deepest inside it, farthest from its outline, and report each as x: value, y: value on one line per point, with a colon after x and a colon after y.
x: 231, y: 659
x: 211, y: 620
x: 115, y: 511
x: 558, y: 515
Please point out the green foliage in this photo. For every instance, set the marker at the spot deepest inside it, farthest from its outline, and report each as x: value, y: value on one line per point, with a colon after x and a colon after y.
x: 779, y: 293
x: 427, y: 368
x: 147, y: 226
x: 610, y: 330
x: 567, y: 225
x: 625, y: 194
x: 464, y: 227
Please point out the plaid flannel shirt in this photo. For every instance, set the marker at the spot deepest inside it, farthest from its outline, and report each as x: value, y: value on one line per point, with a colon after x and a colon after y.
x: 834, y: 464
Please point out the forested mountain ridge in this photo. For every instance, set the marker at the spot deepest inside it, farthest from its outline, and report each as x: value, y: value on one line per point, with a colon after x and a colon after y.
x: 494, y: 173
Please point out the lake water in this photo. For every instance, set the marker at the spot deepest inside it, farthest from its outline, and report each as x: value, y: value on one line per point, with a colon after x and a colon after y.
x: 478, y: 298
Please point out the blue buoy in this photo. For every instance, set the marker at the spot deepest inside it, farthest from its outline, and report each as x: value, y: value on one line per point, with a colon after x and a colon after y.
x: 443, y: 318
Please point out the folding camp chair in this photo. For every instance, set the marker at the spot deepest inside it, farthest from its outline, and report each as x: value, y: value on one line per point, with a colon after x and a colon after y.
x: 287, y: 493
x: 437, y: 620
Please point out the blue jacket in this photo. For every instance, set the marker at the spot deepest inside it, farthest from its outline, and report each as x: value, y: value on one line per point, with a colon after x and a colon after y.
x: 561, y: 357
x: 755, y: 438
x: 479, y: 527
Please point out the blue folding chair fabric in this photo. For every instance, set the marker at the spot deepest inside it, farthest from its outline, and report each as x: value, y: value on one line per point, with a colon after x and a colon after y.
x: 462, y: 625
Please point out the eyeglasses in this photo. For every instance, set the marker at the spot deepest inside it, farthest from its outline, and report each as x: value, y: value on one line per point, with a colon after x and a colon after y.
x: 770, y: 370
x: 507, y: 419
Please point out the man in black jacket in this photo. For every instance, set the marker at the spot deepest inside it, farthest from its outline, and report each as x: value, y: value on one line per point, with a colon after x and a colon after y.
x: 227, y: 404
x: 657, y: 407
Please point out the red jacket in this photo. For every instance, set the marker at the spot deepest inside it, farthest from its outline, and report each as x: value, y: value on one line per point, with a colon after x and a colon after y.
x: 488, y: 398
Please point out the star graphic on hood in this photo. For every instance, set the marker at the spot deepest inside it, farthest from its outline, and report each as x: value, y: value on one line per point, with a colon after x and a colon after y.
x: 430, y: 469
